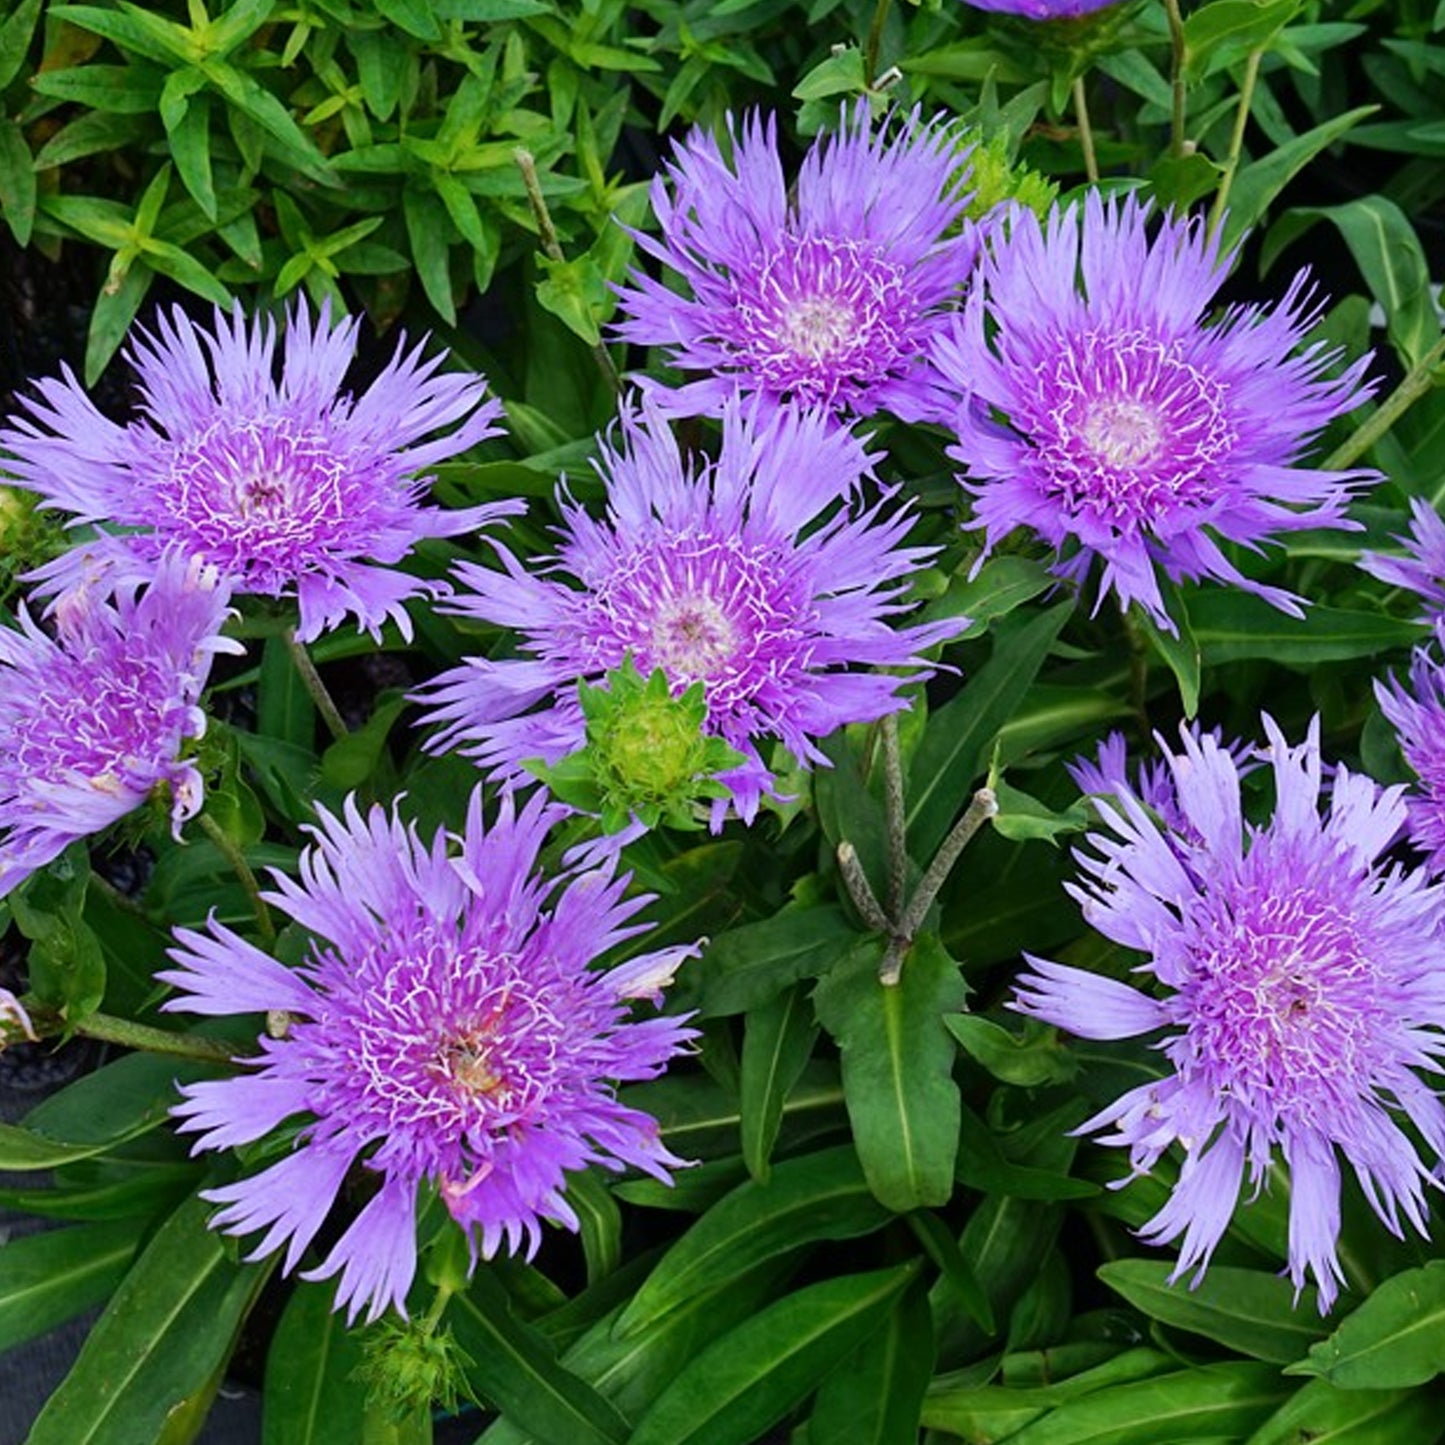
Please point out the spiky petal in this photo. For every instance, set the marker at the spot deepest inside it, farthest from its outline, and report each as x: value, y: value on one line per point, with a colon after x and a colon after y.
x: 750, y: 575
x: 827, y: 295
x: 288, y: 487
x: 94, y: 718
x: 1133, y: 433
x: 1417, y: 713
x: 1299, y: 991
x: 1422, y: 569
x: 449, y: 1029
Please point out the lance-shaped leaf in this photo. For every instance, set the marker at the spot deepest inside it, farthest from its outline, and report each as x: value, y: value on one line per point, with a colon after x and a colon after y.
x: 1323, y: 1415
x: 312, y: 1396
x: 806, y: 1199
x: 777, y: 1043
x: 898, y: 1058
x: 747, y: 1381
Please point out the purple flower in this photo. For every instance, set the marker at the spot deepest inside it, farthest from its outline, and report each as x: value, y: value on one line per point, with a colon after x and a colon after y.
x: 1422, y: 569
x: 287, y: 487
x: 92, y: 720
x: 450, y: 1030
x: 749, y: 575
x: 829, y: 298
x: 1134, y: 433
x: 1042, y: 9
x: 1417, y: 714
x: 1300, y: 991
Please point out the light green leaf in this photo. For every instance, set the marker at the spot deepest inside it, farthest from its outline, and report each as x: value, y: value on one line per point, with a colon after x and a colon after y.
x: 311, y: 1394
x: 1395, y: 1339
x: 1319, y: 1414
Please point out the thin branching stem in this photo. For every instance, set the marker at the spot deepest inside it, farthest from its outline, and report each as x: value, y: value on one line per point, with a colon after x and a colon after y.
x: 875, y: 42
x: 315, y: 688
x: 1417, y: 381
x: 1086, y: 131
x: 896, y: 815
x: 227, y: 847
x: 1177, y: 60
x: 552, y: 248
x: 1236, y: 141
x: 130, y: 1035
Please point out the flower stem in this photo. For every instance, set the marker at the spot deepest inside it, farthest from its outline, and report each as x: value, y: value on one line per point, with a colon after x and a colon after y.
x: 226, y: 846
x: 552, y: 249
x: 860, y: 890
x: 315, y: 688
x: 875, y: 42
x: 1086, y: 131
x: 1236, y: 140
x: 897, y: 820
x: 1179, y: 54
x: 982, y: 807
x: 1416, y: 383
x: 130, y: 1035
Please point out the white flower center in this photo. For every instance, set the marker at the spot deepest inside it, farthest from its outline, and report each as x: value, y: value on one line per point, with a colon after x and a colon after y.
x: 692, y: 638
x: 818, y: 327
x: 1123, y: 432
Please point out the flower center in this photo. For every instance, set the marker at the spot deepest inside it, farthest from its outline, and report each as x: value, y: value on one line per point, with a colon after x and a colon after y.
x: 1282, y: 1004
x: 817, y: 328
x: 692, y: 638
x: 1123, y: 432
x: 467, y: 1063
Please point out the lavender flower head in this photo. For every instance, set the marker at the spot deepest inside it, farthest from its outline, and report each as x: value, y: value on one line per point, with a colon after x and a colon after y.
x: 450, y: 1031
x: 1422, y: 569
x: 1042, y: 9
x: 93, y: 719
x: 829, y: 298
x: 1300, y: 991
x: 1135, y: 434
x: 750, y: 575
x: 286, y: 486
x: 1417, y: 714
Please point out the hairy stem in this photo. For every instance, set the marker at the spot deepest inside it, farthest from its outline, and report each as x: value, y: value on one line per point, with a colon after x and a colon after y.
x: 894, y: 808
x: 130, y: 1035
x: 1236, y: 140
x: 315, y: 688
x: 552, y: 248
x: 982, y: 807
x: 1417, y: 382
x: 875, y: 42
x: 860, y: 890
x: 1178, y: 56
x: 1086, y: 131
x: 228, y: 849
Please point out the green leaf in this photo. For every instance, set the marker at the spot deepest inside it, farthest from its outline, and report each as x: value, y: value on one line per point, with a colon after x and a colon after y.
x: 1395, y: 1339
x: 778, y: 1039
x: 416, y: 17
x: 746, y: 967
x: 351, y: 760
x: 1388, y: 252
x: 95, y: 132
x: 1180, y: 649
x: 1029, y: 1059
x: 159, y: 1348
x: 1230, y: 626
x: 262, y: 107
x: 17, y: 181
x: 1319, y: 1414
x: 512, y: 1365
x: 631, y: 1372
x: 15, y: 36
x: 983, y: 1166
x: 65, y: 962
x: 1249, y: 1312
x: 956, y: 743
x: 599, y: 1224
x: 898, y: 1068
x: 48, y: 1278
x: 839, y: 74
x: 1258, y: 183
x: 1224, y: 30
x: 311, y: 1394
x: 813, y: 1197
x: 577, y: 293
x: 110, y: 320
x: 1001, y: 585
x: 190, y: 147
x: 745, y: 1382
x: 284, y: 709
x: 874, y: 1398
x: 1212, y: 1402
x: 429, y: 233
